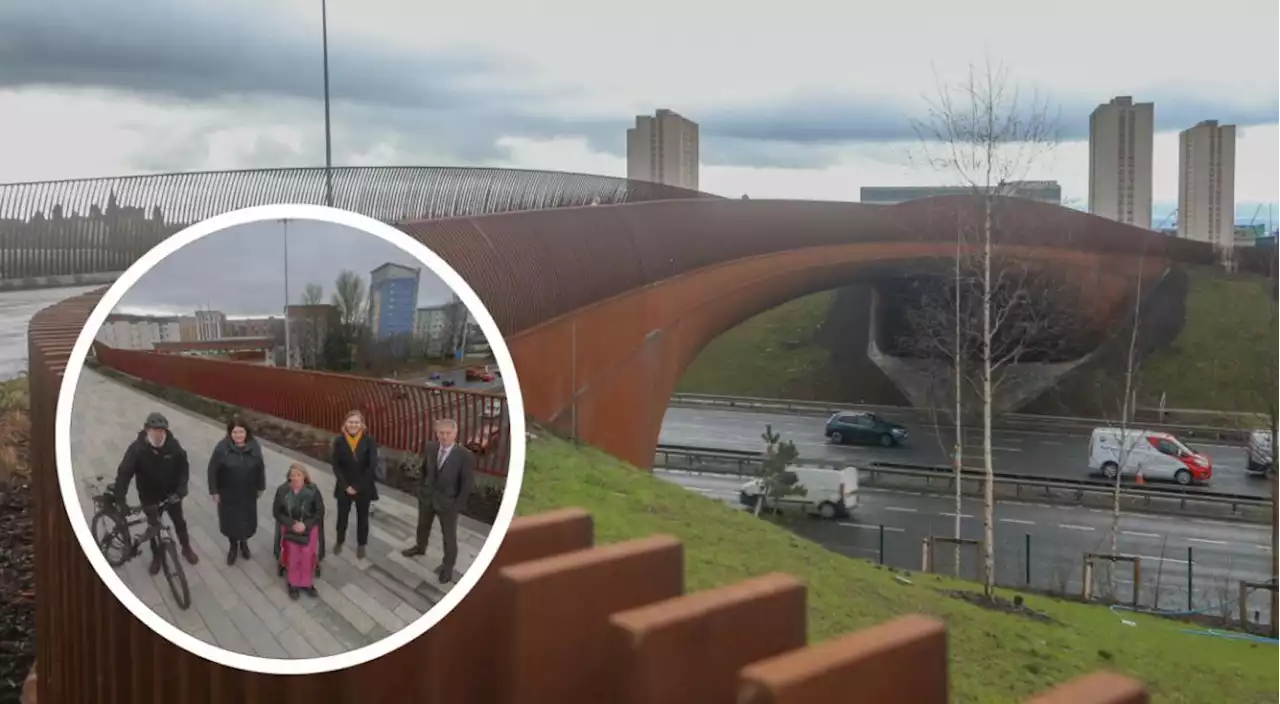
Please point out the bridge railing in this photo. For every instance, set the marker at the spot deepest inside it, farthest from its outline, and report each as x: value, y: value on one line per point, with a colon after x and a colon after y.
x: 398, y: 415
x: 82, y: 226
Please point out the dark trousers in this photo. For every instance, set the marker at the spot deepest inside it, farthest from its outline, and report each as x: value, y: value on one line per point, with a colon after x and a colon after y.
x: 427, y: 514
x: 179, y: 525
x: 362, y: 518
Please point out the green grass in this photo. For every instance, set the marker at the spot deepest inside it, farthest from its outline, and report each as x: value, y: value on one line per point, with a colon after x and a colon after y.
x: 1224, y: 358
x: 763, y: 355
x: 994, y: 657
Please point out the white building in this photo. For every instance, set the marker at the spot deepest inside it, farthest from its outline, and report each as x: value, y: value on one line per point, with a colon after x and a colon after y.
x: 1207, y: 183
x: 138, y: 332
x: 1121, y: 144
x: 209, y: 325
x: 663, y: 149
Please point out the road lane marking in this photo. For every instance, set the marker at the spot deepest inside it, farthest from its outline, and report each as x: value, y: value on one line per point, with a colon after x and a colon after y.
x: 900, y: 509
x: 868, y: 526
x: 952, y: 515
x: 1206, y: 541
x: 1019, y: 521
x: 1068, y: 526
x: 1137, y: 534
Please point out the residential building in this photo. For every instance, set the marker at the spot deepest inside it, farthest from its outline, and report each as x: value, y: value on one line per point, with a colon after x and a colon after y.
x: 252, y: 350
x: 1121, y: 145
x: 1207, y: 184
x: 209, y: 325
x: 393, y: 300
x: 663, y: 148
x: 188, y: 328
x: 1043, y: 191
x: 138, y: 332
x: 269, y: 326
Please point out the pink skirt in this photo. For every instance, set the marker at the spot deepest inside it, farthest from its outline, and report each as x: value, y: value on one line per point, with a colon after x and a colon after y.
x: 300, y: 560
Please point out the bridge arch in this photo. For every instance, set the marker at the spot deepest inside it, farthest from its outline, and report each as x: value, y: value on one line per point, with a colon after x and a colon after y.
x: 606, y: 306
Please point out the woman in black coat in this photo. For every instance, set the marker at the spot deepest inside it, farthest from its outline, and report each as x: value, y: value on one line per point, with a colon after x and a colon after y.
x: 237, y: 478
x: 354, y: 458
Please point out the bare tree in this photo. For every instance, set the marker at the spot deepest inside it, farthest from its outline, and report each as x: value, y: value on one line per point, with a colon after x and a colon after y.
x: 350, y: 298
x: 312, y: 294
x: 985, y: 136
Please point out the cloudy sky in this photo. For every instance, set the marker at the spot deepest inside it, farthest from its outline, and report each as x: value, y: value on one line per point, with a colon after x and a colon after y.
x: 810, y: 99
x: 240, y: 270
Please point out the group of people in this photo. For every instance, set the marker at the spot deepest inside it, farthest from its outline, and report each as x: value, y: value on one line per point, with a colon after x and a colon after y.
x: 238, y: 479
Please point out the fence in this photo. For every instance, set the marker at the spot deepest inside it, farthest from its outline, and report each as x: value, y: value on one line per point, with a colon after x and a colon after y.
x: 399, y: 415
x: 1006, y: 421
x: 96, y: 225
x: 1204, y: 582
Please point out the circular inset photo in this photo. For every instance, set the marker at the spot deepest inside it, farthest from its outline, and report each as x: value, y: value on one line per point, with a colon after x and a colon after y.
x: 290, y: 439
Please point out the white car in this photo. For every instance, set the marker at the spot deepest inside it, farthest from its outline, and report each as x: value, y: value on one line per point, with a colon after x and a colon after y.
x: 1259, y: 452
x: 1155, y: 455
x: 829, y: 493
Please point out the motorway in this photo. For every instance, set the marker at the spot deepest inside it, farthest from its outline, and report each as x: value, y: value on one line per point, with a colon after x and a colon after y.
x: 16, y: 309
x: 1222, y: 553
x: 1026, y: 452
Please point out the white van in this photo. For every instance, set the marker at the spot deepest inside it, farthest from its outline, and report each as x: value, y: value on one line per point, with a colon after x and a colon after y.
x: 1259, y: 452
x: 829, y: 493
x: 1159, y: 456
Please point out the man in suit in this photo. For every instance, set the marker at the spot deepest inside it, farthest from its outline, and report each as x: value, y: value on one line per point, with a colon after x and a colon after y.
x: 444, y: 484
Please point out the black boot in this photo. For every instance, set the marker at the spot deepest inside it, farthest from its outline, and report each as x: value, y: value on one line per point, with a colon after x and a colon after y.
x: 244, y: 549
x: 293, y: 592
x: 231, y: 554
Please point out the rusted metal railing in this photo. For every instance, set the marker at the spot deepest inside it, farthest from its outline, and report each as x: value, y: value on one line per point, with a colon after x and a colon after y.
x: 399, y: 415
x: 97, y: 225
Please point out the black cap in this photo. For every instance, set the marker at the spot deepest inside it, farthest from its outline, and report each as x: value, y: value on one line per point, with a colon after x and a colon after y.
x: 156, y: 420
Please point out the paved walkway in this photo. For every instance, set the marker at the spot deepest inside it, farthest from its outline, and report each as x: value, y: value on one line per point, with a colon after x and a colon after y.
x: 245, y: 608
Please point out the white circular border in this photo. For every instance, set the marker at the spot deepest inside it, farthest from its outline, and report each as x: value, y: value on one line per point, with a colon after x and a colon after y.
x: 253, y: 663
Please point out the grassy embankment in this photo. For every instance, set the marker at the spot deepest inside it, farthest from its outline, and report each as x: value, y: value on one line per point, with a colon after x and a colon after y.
x: 995, y: 656
x: 1224, y: 358
x: 1218, y: 361
x: 765, y: 355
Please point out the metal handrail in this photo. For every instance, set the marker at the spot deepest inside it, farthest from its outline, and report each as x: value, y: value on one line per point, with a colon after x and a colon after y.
x: 742, y: 460
x: 1005, y: 420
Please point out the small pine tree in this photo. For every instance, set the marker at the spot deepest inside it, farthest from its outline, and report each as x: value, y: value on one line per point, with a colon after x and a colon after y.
x: 775, y: 481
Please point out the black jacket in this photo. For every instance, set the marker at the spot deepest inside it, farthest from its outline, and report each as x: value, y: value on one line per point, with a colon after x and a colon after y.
x: 306, y: 506
x: 160, y: 472
x: 357, y: 470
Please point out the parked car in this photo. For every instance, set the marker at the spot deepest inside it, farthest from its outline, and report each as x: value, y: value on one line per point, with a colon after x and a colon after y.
x: 1260, y: 453
x: 478, y: 374
x: 864, y: 428
x: 434, y: 376
x: 1159, y: 456
x: 829, y: 493
x: 448, y: 382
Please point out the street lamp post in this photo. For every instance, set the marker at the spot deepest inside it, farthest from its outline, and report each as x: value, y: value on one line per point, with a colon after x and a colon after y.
x: 288, y: 362
x: 328, y: 141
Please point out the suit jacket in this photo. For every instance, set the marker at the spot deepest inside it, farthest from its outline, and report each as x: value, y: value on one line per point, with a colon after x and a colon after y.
x: 446, y: 487
x: 357, y: 470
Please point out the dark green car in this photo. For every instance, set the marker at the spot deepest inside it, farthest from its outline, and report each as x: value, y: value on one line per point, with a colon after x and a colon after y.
x: 856, y: 427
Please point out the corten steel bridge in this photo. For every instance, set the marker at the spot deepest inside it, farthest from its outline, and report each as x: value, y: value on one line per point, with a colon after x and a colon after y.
x: 602, y: 307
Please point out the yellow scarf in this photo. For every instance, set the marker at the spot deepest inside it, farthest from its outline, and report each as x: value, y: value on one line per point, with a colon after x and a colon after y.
x: 353, y: 440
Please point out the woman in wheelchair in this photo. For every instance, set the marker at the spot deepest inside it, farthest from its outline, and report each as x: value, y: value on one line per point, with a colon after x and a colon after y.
x: 299, y: 512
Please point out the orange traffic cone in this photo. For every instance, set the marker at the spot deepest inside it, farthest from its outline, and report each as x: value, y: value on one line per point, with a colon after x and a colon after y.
x: 1138, y: 480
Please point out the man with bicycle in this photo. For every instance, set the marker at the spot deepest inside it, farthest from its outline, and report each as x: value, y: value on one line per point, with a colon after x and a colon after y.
x: 160, y: 465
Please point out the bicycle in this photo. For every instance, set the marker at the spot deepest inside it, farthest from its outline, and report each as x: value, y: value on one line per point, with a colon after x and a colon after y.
x: 111, y: 527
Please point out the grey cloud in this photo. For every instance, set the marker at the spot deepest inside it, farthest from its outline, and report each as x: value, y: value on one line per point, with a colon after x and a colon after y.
x: 240, y: 270
x: 203, y: 51
x: 420, y: 105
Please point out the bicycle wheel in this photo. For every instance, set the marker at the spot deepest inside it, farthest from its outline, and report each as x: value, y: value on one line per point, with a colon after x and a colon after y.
x: 174, y: 575
x: 112, y: 537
